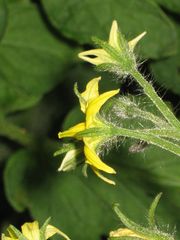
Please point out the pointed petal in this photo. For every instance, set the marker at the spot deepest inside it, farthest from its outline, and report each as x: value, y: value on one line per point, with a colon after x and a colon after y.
x: 31, y: 230
x: 69, y: 161
x: 93, y: 159
x: 96, y: 104
x: 134, y: 41
x: 82, y: 101
x: 94, y: 56
x: 71, y: 132
x: 51, y: 230
x: 113, y: 36
x: 91, y: 92
x: 124, y: 232
x: 103, y: 177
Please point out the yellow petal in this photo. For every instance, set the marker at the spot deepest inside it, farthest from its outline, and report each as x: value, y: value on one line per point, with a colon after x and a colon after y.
x: 50, y: 231
x: 134, y: 41
x: 113, y: 36
x: 71, y: 132
x: 96, y: 104
x: 31, y: 230
x: 103, y: 177
x: 93, y: 159
x: 124, y: 232
x: 95, y: 56
x: 91, y: 92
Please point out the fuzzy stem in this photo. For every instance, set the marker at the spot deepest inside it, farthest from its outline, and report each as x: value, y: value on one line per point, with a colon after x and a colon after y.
x: 151, y: 93
x: 148, y: 137
x: 166, y: 133
x: 137, y: 134
x: 144, y: 233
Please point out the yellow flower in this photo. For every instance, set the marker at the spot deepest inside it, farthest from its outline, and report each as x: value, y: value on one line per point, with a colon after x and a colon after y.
x: 116, y: 52
x: 31, y: 231
x: 90, y: 103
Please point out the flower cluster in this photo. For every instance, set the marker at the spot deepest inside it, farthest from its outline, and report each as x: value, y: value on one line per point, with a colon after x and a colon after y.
x: 116, y: 54
x: 90, y: 103
x: 31, y: 231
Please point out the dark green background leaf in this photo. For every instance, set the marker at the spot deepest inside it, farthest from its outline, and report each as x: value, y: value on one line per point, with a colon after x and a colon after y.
x: 31, y: 59
x: 173, y: 5
x: 87, y: 203
x: 3, y: 17
x: 80, y: 20
x: 166, y: 71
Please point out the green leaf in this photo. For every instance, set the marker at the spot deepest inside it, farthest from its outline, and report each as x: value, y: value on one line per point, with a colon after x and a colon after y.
x: 157, y: 169
x: 3, y: 17
x: 81, y: 207
x: 166, y: 73
x: 159, y: 165
x: 173, y: 5
x: 32, y: 60
x: 80, y: 20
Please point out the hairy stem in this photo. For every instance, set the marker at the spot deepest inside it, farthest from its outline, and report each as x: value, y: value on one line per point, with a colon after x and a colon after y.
x: 151, y: 93
x: 131, y: 133
x: 148, y: 137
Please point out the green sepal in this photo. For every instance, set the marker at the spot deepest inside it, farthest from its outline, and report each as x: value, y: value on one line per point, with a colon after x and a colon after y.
x: 13, y: 231
x: 143, y: 232
x: 114, y: 53
x: 95, y: 132
x: 66, y: 147
x: 123, y: 59
x: 78, y: 94
x: 43, y: 229
x: 152, y: 209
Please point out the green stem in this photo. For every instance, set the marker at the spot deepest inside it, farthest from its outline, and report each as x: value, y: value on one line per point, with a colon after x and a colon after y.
x: 137, y: 134
x: 144, y: 233
x: 167, y: 133
x: 151, y: 93
x: 148, y: 137
x: 14, y: 132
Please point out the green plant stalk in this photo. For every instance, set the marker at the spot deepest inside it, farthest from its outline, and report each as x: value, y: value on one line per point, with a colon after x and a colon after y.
x: 145, y: 233
x: 136, y: 134
x: 151, y: 93
x: 166, y: 133
x: 13, y: 132
x: 150, y: 138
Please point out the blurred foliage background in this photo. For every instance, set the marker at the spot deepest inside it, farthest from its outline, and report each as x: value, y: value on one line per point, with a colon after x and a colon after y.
x: 39, y: 42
